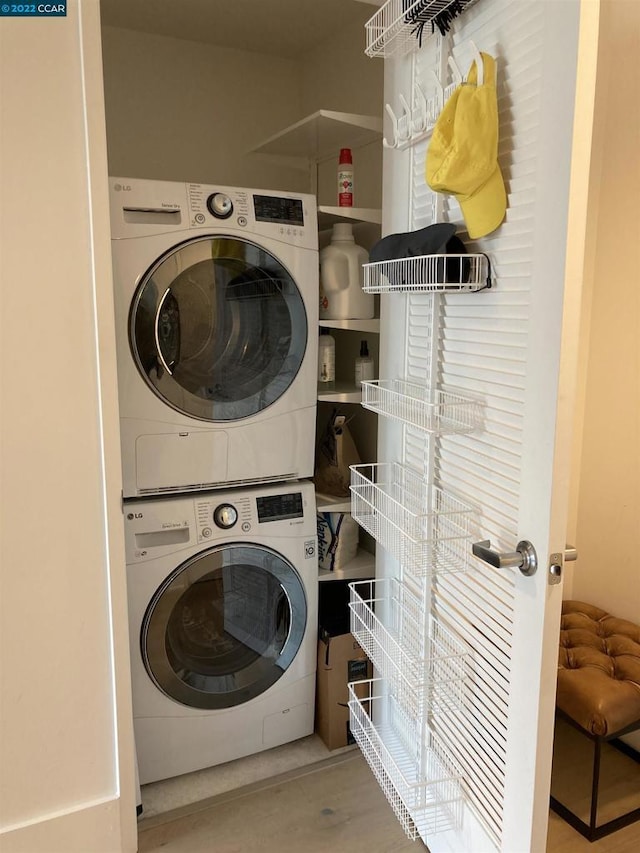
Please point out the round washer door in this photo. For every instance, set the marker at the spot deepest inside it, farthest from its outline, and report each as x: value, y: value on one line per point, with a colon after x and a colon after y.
x: 224, y: 626
x: 218, y: 328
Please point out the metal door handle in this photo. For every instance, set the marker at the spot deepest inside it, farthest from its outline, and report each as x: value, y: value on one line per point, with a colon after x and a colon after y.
x: 523, y: 558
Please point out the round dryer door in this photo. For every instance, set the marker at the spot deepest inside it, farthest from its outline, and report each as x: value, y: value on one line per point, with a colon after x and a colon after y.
x: 218, y: 328
x: 224, y: 626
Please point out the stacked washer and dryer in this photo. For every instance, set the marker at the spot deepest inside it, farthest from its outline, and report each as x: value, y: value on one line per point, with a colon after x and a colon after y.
x: 216, y: 301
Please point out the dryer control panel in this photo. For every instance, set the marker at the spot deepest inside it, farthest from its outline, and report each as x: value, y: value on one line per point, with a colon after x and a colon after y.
x: 283, y: 216
x: 141, y: 208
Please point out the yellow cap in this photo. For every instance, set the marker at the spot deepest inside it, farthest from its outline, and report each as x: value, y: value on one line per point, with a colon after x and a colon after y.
x: 462, y: 158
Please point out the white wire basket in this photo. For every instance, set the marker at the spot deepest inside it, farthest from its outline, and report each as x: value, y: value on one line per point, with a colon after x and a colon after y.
x: 428, y: 274
x: 426, y: 529
x: 420, y: 780
x: 396, y: 28
x: 435, y: 411
x: 422, y: 661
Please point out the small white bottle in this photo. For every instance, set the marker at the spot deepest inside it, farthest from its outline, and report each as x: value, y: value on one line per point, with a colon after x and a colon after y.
x: 364, y: 365
x: 326, y: 361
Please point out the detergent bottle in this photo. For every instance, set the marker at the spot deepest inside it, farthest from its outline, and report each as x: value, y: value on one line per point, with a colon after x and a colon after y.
x: 345, y: 178
x: 341, y: 276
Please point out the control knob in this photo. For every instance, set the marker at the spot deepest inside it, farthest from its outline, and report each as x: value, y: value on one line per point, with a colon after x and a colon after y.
x: 225, y: 516
x: 220, y: 205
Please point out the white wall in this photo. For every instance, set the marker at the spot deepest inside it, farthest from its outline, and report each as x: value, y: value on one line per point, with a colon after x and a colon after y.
x: 606, y: 524
x: 182, y: 111
x: 337, y: 75
x: 64, y: 646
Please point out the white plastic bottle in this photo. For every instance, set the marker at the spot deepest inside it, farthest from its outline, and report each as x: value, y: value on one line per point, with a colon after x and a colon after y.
x: 364, y: 365
x: 342, y: 276
x: 326, y: 361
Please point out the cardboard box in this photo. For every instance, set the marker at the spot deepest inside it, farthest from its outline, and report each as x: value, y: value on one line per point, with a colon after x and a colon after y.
x: 340, y: 660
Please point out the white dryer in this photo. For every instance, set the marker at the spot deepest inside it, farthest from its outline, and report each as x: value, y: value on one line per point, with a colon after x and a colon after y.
x: 223, y: 624
x: 216, y: 301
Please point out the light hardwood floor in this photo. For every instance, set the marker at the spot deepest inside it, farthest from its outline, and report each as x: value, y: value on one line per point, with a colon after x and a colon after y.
x: 571, y: 779
x: 334, y: 806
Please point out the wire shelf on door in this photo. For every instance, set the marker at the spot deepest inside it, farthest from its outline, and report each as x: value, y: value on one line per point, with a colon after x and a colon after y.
x: 399, y: 26
x: 426, y: 529
x: 424, y: 666
x: 421, y: 782
x: 428, y: 274
x: 435, y: 411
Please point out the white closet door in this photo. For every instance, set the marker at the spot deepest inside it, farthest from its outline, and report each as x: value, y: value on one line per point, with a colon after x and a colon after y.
x: 515, y: 348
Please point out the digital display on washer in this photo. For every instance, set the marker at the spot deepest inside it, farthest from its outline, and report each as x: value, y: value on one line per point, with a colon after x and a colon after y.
x: 279, y: 507
x: 286, y: 210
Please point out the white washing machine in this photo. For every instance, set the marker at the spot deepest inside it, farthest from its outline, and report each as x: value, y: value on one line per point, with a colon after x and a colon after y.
x: 223, y: 624
x: 216, y: 300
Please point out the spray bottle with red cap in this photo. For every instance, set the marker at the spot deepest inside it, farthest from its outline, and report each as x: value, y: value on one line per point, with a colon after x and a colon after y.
x: 345, y: 178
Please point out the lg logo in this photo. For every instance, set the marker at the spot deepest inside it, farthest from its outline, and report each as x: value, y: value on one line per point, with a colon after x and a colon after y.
x: 132, y: 515
x: 122, y: 188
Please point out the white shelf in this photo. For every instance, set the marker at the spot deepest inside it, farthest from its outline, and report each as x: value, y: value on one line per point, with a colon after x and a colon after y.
x: 362, y: 567
x: 372, y: 326
x: 321, y: 136
x: 344, y: 392
x: 328, y: 216
x: 331, y: 503
x: 435, y: 411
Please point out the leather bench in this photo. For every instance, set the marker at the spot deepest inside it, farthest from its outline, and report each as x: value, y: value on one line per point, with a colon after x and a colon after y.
x: 598, y: 693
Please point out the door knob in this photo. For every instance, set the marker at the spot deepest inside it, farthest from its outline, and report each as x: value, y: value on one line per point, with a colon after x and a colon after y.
x: 523, y: 558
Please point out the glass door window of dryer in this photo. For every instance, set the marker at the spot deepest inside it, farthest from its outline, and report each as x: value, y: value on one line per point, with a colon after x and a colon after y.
x: 224, y: 626
x: 218, y: 328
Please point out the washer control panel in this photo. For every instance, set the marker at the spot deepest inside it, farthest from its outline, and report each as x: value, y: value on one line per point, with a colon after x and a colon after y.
x: 216, y: 514
x: 164, y: 526
x: 235, y: 516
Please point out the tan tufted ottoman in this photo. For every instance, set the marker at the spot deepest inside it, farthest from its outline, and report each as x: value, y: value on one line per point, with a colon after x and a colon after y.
x: 598, y: 693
